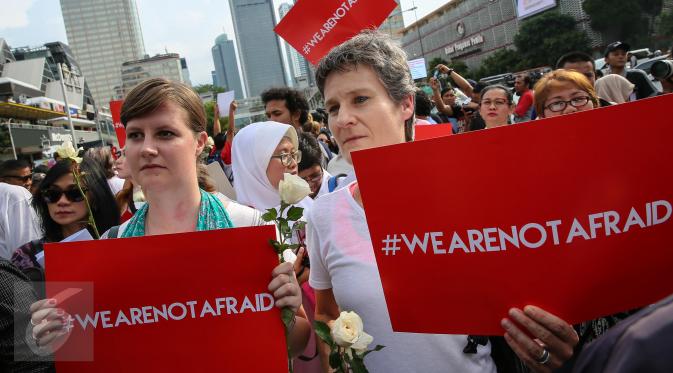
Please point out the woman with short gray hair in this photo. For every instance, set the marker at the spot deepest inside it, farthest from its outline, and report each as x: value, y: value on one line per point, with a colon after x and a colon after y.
x: 369, y: 97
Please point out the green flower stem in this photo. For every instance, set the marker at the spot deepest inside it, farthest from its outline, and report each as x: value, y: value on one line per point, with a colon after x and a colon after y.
x: 91, y: 221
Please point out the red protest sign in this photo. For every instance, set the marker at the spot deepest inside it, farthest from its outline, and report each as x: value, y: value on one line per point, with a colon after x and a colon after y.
x: 432, y: 131
x: 193, y: 301
x: 120, y: 131
x: 315, y: 27
x: 572, y: 214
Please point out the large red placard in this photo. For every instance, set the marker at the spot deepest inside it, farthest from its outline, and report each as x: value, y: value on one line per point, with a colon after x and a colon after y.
x: 572, y: 214
x: 314, y: 27
x: 183, y: 302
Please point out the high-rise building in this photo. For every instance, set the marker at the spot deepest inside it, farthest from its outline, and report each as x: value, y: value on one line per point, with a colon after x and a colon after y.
x: 258, y: 45
x: 135, y: 72
x: 185, y: 72
x: 103, y: 34
x: 394, y: 24
x: 299, y: 67
x: 226, y: 66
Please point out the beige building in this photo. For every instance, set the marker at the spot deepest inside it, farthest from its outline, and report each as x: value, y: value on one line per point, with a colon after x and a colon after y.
x: 160, y: 66
x: 103, y: 34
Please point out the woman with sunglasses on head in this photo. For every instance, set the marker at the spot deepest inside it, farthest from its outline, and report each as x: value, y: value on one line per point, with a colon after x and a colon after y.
x: 62, y: 211
x: 496, y: 105
x: 563, y: 92
x: 166, y: 133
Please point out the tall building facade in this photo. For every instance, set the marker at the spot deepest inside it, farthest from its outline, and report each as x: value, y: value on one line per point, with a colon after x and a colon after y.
x: 394, y: 24
x: 167, y: 66
x: 185, y: 72
x: 103, y: 34
x: 299, y: 67
x: 259, y: 47
x: 226, y: 66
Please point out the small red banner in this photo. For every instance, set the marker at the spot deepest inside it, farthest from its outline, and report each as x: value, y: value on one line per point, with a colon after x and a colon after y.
x: 115, y: 110
x: 313, y: 28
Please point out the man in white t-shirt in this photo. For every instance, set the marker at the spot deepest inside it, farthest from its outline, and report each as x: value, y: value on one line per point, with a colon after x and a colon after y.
x: 18, y: 222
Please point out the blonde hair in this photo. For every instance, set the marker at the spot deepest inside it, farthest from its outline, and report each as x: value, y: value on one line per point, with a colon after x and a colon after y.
x: 558, y: 79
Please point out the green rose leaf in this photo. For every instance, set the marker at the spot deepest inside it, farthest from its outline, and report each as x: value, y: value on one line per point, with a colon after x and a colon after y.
x: 377, y: 348
x: 357, y: 365
x: 335, y: 360
x: 295, y: 213
x: 323, y: 331
x: 287, y: 316
x: 284, y: 228
x: 270, y: 215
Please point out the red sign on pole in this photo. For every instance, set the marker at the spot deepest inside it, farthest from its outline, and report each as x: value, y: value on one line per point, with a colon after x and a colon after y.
x: 571, y: 214
x: 185, y: 302
x: 314, y: 27
x: 115, y: 110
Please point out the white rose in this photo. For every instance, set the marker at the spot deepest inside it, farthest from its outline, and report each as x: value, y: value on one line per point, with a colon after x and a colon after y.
x: 67, y: 151
x: 289, y: 256
x: 210, y: 142
x: 293, y: 189
x: 347, y: 331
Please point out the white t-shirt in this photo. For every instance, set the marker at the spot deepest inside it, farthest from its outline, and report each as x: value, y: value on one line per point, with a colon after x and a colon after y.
x: 324, y: 187
x: 342, y: 258
x: 339, y: 165
x: 18, y: 222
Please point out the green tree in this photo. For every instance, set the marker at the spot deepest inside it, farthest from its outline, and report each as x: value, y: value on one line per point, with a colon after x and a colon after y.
x: 618, y: 19
x: 541, y: 40
x: 205, y: 88
x: 665, y: 27
x: 461, y: 68
x: 501, y: 62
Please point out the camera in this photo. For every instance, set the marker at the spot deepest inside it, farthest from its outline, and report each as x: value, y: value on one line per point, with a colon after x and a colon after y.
x: 662, y: 69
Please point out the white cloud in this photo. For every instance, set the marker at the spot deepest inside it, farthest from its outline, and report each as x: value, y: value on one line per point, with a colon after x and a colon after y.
x: 14, y: 13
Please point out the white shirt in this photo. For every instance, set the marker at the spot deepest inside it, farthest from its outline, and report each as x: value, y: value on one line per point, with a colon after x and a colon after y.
x: 342, y: 259
x: 339, y: 165
x: 18, y: 222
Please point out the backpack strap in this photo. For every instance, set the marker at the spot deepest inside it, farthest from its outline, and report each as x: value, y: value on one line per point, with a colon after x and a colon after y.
x: 333, y: 181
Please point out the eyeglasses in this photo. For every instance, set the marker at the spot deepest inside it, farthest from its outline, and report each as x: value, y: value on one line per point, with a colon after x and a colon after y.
x: 316, y: 177
x: 18, y: 177
x: 576, y: 102
x: 53, y: 195
x: 287, y: 158
x: 497, y: 103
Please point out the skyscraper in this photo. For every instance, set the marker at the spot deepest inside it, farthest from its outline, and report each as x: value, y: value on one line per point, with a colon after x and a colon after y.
x: 258, y: 45
x: 103, y: 35
x: 299, y: 68
x: 226, y: 66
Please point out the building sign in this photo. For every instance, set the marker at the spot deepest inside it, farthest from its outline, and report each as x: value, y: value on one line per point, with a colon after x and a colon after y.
x: 525, y: 8
x: 59, y: 135
x: 460, y: 29
x: 460, y: 46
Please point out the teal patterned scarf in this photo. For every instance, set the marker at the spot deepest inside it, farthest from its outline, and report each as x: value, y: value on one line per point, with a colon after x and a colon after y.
x: 212, y: 215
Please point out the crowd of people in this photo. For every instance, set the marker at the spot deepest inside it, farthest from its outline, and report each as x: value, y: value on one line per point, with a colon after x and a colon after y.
x: 158, y: 184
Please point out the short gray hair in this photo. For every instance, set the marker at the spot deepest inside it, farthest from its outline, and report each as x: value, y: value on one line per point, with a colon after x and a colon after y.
x: 377, y: 50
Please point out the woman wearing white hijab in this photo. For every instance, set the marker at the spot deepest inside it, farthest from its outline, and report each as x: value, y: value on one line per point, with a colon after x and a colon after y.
x: 615, y: 88
x: 261, y: 153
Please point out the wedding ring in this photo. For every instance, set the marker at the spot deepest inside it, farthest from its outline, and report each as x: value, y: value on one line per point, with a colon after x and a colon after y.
x: 544, y: 358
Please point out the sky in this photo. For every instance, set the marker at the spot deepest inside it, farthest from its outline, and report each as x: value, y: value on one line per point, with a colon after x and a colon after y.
x: 187, y: 27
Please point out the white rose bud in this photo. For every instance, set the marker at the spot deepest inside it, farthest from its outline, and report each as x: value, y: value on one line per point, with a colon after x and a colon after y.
x: 293, y: 189
x: 289, y: 256
x: 67, y: 151
x: 347, y: 331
